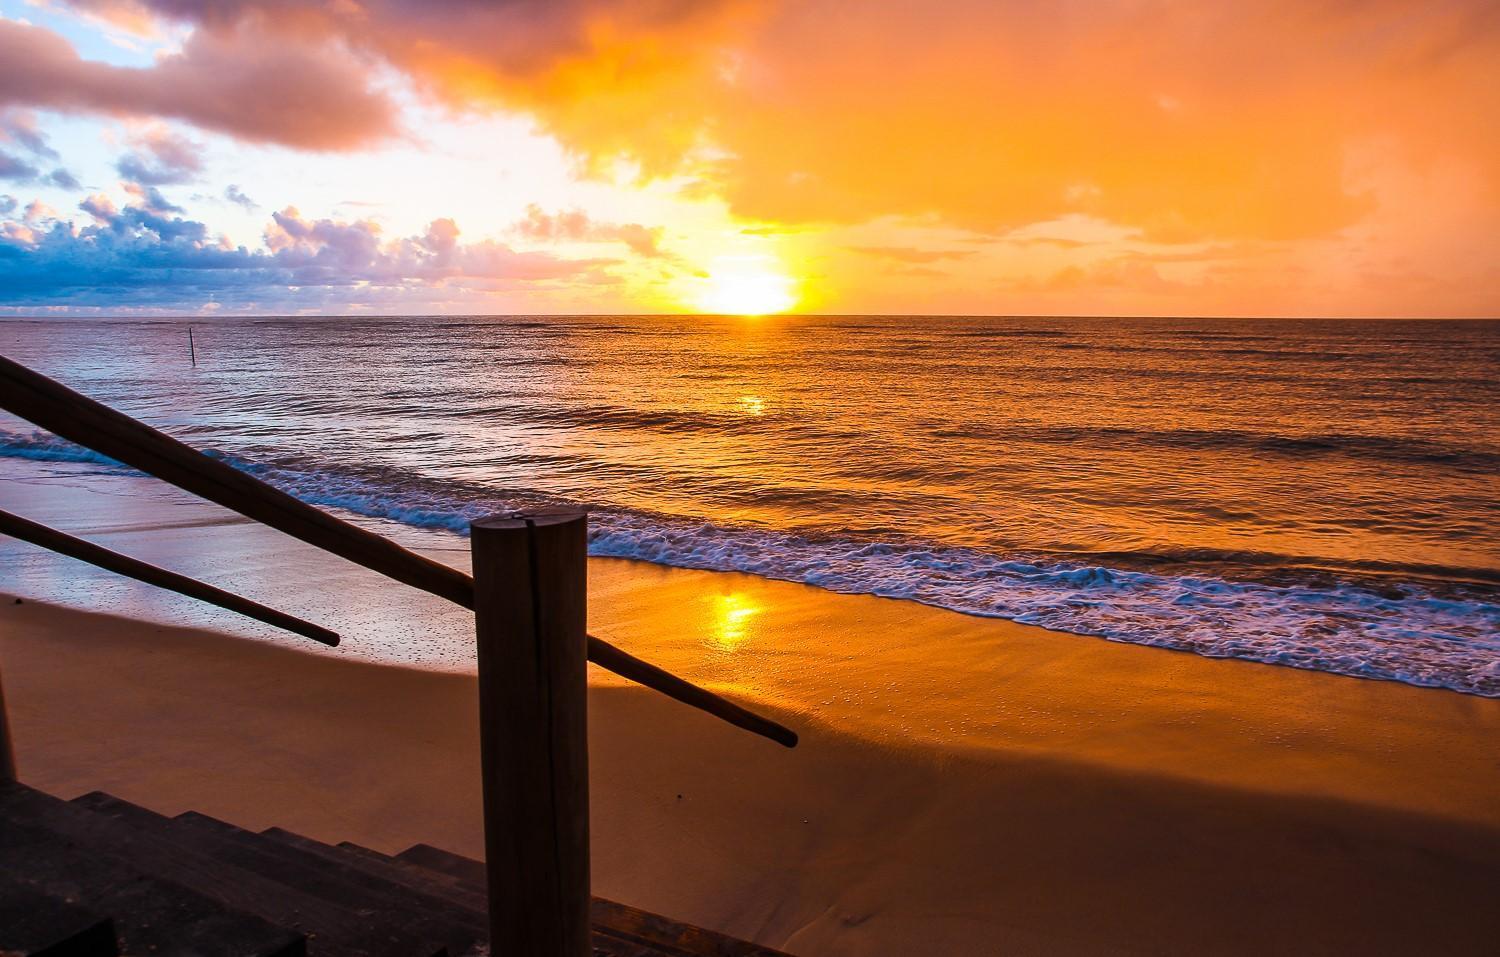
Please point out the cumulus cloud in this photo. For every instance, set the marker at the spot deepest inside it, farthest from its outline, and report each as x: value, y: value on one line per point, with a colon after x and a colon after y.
x: 144, y: 252
x: 241, y: 82
x: 151, y: 198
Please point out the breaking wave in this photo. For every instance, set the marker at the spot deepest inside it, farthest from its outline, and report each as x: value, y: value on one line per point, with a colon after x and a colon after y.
x: 1371, y: 626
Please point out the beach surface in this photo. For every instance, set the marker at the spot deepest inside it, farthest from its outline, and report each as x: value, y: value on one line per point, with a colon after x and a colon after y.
x: 963, y: 785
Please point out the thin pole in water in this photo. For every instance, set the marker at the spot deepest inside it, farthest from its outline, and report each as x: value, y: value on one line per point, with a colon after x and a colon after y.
x: 192, y: 353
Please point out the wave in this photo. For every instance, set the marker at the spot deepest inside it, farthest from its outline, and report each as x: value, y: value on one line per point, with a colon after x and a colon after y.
x: 43, y: 447
x: 1396, y: 630
x: 1383, y: 447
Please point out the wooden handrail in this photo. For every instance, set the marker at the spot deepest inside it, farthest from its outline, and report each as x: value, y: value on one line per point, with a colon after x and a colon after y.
x: 76, y: 417
x: 85, y: 551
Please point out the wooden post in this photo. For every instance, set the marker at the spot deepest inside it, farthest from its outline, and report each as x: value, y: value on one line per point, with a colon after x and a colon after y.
x: 530, y: 616
x: 7, y: 750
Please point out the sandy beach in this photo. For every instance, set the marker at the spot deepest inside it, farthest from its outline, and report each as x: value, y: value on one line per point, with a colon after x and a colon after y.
x: 964, y: 785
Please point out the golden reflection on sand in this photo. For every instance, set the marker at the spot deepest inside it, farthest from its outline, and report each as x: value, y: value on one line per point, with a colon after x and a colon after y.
x: 732, y: 612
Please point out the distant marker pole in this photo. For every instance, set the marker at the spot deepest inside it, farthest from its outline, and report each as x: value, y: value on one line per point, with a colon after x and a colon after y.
x: 192, y: 352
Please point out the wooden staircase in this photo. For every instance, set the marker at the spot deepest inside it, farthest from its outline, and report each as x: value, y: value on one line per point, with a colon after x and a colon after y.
x: 101, y: 877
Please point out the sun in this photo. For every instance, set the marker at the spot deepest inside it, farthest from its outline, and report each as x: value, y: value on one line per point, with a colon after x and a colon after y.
x: 746, y: 286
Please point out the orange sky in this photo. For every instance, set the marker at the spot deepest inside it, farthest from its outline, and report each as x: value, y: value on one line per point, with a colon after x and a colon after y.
x: 1238, y: 158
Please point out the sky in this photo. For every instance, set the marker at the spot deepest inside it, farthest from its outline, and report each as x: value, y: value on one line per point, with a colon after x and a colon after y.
x: 1112, y: 157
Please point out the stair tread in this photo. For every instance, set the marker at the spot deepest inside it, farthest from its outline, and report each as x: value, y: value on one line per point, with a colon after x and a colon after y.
x: 466, y: 869
x: 419, y: 880
x: 58, y: 852
x: 337, y: 880
x: 431, y: 894
x: 310, y: 881
x: 153, y: 844
x: 620, y: 923
x: 34, y: 923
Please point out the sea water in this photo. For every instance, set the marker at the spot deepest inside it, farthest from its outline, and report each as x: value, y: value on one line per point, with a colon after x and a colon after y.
x: 1321, y: 494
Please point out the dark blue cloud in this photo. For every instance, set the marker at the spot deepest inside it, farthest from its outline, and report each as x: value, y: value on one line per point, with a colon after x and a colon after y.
x: 62, y: 179
x: 145, y: 255
x: 16, y: 169
x: 19, y: 127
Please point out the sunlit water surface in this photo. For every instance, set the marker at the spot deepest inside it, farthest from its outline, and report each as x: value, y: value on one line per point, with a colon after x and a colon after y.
x: 1313, y: 493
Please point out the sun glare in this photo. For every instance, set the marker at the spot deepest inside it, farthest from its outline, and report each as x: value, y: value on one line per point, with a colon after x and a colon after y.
x: 746, y: 286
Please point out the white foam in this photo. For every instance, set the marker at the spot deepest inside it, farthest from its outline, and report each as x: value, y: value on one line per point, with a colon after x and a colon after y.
x: 1405, y: 633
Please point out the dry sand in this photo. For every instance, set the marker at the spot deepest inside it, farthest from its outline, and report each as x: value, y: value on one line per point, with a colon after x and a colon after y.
x: 964, y: 786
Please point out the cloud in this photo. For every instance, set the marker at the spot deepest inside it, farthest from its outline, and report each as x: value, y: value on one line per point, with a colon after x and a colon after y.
x: 233, y: 194
x: 165, y: 159
x: 596, y: 71
x: 150, y: 198
x: 19, y: 127
x: 8, y: 204
x: 575, y: 225
x: 36, y: 211
x: 62, y: 179
x: 1187, y: 121
x: 144, y: 252
x: 241, y: 82
x: 909, y: 254
x: 18, y: 170
x: 15, y: 168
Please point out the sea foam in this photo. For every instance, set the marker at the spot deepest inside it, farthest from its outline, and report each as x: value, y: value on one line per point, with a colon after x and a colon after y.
x: 1396, y: 631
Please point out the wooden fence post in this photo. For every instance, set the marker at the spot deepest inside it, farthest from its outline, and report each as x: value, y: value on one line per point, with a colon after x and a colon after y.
x: 530, y: 617
x: 7, y: 749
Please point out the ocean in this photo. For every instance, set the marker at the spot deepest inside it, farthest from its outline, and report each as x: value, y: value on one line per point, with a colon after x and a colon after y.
x: 1314, y: 493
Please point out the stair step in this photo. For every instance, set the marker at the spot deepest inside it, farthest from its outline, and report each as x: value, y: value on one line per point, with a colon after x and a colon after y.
x: 107, y: 805
x: 158, y: 845
x: 428, y: 892
x: 466, y: 869
x: 617, y: 926
x: 338, y: 880
x: 37, y: 924
x: 418, y: 880
x: 70, y: 854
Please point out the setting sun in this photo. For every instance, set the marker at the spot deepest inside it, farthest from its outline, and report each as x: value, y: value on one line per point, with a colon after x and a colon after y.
x: 746, y: 286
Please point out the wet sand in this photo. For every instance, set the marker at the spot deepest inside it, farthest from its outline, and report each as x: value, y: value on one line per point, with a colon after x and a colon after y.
x: 964, y: 786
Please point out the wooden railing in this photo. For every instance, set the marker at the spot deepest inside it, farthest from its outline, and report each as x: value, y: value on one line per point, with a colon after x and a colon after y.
x: 529, y: 595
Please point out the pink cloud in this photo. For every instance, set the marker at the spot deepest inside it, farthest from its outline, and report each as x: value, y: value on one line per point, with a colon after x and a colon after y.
x: 242, y: 82
x: 574, y: 225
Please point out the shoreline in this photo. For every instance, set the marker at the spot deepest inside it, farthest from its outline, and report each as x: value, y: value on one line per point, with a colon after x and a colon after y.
x: 1351, y: 622
x: 843, y: 846
x: 896, y: 673
x: 964, y: 785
